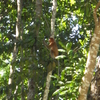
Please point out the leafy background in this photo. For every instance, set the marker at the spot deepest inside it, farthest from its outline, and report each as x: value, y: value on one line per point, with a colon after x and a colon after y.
x: 73, y: 30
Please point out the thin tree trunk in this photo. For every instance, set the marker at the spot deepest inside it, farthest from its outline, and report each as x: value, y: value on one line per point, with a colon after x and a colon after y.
x: 91, y: 61
x: 31, y: 82
x: 53, y: 18
x: 21, y: 52
x: 49, y: 74
x: 12, y: 67
x: 48, y: 80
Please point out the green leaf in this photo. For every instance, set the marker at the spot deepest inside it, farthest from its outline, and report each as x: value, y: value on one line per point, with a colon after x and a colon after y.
x: 68, y: 46
x: 63, y: 92
x: 72, y: 2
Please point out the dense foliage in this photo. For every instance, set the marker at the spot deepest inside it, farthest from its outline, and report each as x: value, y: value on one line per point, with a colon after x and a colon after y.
x: 73, y: 30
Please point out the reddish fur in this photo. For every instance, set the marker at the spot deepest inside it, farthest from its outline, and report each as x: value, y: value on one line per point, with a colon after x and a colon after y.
x: 53, y: 48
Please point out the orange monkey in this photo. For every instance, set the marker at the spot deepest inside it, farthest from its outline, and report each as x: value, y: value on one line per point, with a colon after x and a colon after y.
x: 53, y: 48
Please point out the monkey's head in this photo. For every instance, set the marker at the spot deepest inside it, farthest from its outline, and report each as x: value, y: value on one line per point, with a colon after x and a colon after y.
x: 51, y: 40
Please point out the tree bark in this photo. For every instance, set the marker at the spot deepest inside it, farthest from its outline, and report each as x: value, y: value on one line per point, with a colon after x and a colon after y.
x: 12, y: 67
x: 91, y: 60
x: 48, y: 80
x: 53, y: 18
x: 51, y: 66
x: 31, y: 85
x: 94, y: 93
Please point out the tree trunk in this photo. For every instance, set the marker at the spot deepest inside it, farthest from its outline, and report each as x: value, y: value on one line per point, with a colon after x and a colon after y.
x: 12, y: 67
x: 48, y: 80
x: 31, y: 82
x: 91, y: 61
x: 51, y: 66
x: 95, y: 83
x: 31, y: 89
